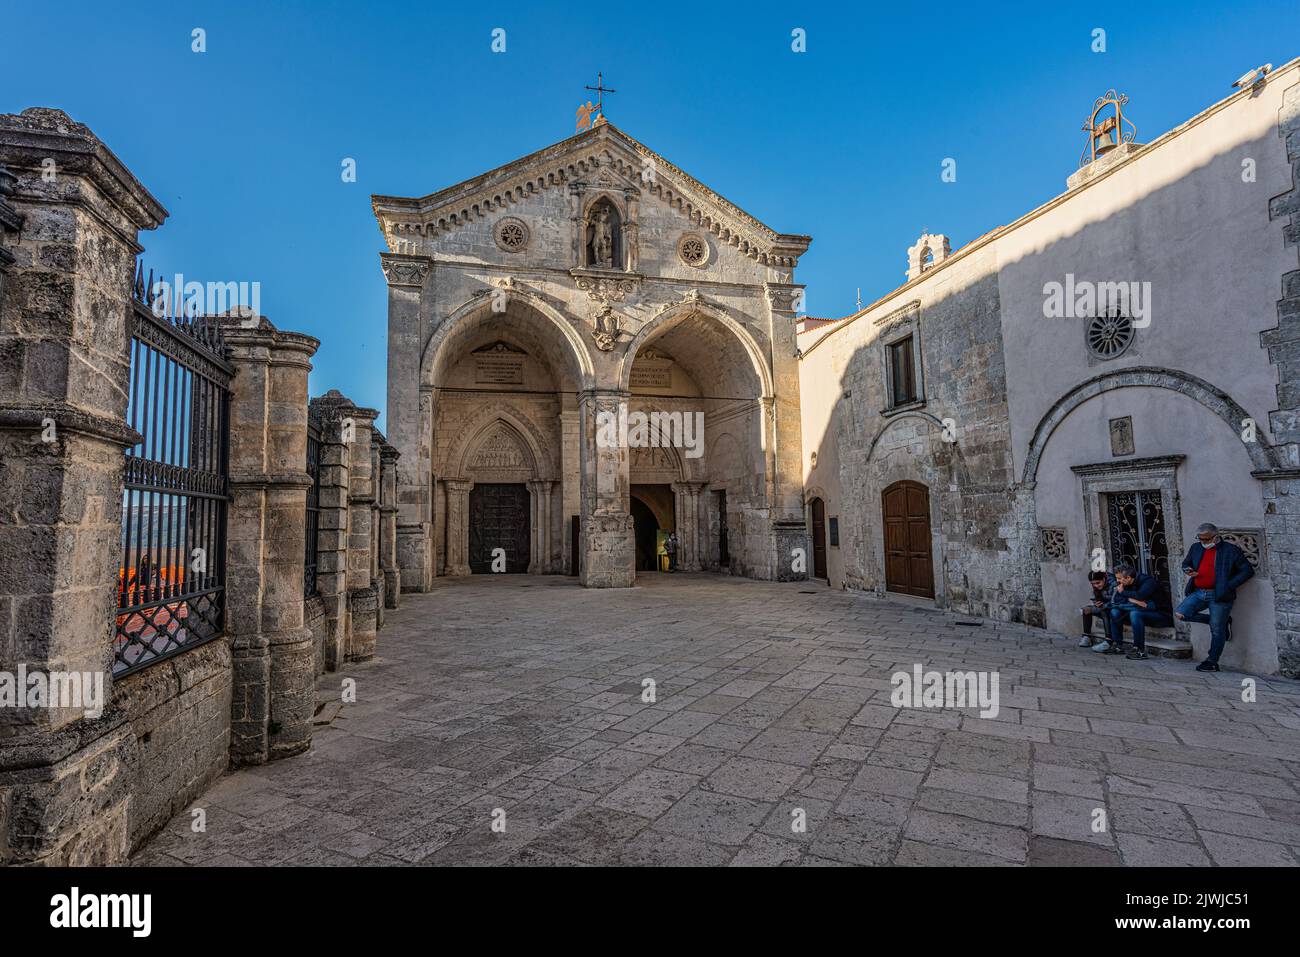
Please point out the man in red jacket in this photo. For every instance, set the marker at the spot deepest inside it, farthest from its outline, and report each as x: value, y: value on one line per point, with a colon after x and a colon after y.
x: 1215, y: 569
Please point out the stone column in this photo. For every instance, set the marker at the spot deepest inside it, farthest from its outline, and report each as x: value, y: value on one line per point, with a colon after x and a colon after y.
x: 458, y: 526
x: 540, y: 558
x: 608, y: 546
x: 388, y: 515
x: 363, y: 602
x: 328, y: 413
x: 64, y: 366
x: 570, y: 481
x: 783, y: 433
x: 690, y: 530
x: 376, y: 526
x: 408, y: 413
x: 274, y: 681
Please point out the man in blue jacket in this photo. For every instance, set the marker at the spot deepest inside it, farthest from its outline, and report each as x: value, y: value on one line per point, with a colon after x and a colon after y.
x: 1215, y: 569
x: 1140, y: 600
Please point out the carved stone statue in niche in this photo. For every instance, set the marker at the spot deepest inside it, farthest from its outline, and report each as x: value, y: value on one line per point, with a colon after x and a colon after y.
x: 603, y: 237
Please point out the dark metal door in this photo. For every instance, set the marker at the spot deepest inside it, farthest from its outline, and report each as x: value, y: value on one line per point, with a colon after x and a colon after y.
x: 1136, y: 527
x: 909, y: 568
x: 819, y: 538
x: 498, y: 518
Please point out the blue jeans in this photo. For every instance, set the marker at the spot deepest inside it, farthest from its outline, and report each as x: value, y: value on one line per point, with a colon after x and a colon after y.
x: 1193, y: 609
x: 1138, y: 619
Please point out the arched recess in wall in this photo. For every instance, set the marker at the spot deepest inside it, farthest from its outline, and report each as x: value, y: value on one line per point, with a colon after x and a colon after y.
x: 754, y: 381
x: 566, y: 351
x: 894, y: 420
x: 487, y: 420
x: 1262, y: 456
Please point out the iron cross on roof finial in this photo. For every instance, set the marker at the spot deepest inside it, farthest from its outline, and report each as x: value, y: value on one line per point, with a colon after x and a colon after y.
x: 600, y: 90
x: 588, y: 115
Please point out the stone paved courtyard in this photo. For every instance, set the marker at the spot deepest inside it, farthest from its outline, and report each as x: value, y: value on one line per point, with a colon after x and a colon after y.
x: 524, y: 694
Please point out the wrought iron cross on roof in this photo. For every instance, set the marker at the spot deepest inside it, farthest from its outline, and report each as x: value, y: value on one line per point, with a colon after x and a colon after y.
x: 587, y: 111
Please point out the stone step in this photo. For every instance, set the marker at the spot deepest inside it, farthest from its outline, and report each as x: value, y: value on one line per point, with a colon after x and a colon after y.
x: 1161, y: 646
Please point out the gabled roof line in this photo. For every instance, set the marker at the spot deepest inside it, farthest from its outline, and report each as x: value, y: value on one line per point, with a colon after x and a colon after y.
x: 498, y: 188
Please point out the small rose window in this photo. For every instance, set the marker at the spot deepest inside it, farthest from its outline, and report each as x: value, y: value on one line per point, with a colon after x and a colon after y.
x: 693, y: 250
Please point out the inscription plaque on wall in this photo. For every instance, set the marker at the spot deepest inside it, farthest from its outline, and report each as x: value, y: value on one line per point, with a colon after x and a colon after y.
x: 652, y: 375
x: 499, y: 368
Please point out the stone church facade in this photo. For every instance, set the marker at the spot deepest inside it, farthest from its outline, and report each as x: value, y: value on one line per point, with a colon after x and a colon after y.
x: 591, y: 278
x: 965, y: 446
x: 954, y: 442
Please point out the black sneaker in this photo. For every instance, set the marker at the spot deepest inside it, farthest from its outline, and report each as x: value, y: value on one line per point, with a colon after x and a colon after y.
x: 1115, y: 649
x: 1207, y: 666
x: 1137, y: 654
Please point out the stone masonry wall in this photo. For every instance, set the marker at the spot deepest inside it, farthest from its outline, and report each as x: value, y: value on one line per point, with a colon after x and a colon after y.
x: 179, y: 711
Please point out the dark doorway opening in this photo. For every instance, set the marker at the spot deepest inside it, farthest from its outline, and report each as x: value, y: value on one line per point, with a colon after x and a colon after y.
x: 646, y: 535
x: 909, y: 567
x: 498, y: 519
x: 574, y: 539
x: 819, y: 539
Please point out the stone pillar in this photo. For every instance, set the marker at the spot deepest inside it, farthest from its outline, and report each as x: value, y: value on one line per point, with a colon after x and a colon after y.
x: 690, y: 530
x: 329, y: 413
x: 608, y: 546
x: 376, y: 526
x: 363, y: 601
x: 65, y: 306
x: 274, y: 681
x: 458, y: 526
x: 388, y: 516
x: 570, y: 482
x: 783, y: 435
x: 407, y: 420
x: 539, y: 561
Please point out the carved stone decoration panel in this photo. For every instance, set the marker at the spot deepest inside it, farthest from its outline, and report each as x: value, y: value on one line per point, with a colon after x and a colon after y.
x: 1056, y: 547
x: 606, y: 327
x: 404, y: 271
x: 1250, y: 541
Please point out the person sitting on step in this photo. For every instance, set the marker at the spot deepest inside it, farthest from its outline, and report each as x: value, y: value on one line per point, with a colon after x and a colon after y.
x: 1102, y: 585
x: 1215, y: 569
x: 1139, y: 600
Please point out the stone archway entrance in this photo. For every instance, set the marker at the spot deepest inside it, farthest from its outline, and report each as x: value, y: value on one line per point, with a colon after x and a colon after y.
x: 909, y: 563
x: 499, y: 519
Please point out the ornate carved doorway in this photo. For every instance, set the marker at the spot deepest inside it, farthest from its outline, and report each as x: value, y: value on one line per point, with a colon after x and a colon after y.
x: 909, y: 567
x: 498, y: 518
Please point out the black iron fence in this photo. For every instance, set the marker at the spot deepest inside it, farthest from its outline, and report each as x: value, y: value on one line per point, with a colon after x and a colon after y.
x: 171, y: 582
x: 313, y: 512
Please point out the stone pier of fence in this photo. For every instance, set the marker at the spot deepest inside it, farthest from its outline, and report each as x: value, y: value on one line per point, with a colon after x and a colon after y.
x: 280, y: 536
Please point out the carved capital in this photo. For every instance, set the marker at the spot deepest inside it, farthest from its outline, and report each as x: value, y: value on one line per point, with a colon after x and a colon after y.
x: 784, y: 297
x: 405, y: 270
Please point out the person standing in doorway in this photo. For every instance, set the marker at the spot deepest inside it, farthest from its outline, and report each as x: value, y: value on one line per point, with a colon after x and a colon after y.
x: 670, y: 546
x: 1215, y: 569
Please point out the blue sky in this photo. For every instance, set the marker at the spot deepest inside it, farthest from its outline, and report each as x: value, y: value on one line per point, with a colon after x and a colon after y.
x: 243, y: 143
